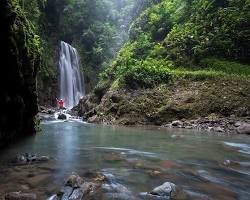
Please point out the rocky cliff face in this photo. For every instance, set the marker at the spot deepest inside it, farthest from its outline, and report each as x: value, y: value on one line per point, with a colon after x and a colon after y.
x: 19, y: 64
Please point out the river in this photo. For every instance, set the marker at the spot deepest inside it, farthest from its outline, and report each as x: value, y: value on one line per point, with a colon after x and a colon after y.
x: 139, y: 158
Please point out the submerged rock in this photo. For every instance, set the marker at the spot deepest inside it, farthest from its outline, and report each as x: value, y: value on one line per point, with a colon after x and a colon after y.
x: 114, y: 188
x: 28, y: 158
x: 19, y: 196
x: 117, y: 191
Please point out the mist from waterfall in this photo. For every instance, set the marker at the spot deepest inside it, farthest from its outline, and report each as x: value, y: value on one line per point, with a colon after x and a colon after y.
x: 71, y: 81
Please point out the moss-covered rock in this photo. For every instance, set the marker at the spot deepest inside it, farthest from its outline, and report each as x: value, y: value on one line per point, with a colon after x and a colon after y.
x: 183, y: 99
x: 20, y: 62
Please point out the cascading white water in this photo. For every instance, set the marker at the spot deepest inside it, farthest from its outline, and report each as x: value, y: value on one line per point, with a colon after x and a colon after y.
x: 70, y: 78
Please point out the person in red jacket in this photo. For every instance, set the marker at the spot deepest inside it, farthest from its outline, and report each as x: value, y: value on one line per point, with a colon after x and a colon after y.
x: 60, y: 102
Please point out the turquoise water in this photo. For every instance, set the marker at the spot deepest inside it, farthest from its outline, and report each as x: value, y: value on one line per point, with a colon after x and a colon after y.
x: 139, y: 158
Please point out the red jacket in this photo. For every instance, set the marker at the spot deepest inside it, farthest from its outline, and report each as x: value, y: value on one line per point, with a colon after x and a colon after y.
x: 60, y: 102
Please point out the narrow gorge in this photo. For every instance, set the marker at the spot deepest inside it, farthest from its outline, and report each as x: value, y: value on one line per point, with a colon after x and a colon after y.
x: 125, y: 100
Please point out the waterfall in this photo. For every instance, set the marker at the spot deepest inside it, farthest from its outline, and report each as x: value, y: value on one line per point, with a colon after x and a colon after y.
x: 71, y: 81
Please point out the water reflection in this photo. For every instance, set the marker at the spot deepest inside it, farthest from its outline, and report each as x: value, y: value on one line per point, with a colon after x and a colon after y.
x: 213, y: 167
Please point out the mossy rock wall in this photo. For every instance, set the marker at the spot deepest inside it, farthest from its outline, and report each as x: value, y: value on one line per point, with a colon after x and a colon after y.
x: 19, y: 64
x: 183, y: 99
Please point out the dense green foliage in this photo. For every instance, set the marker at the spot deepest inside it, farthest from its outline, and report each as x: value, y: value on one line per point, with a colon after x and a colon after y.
x: 170, y: 39
x: 26, y: 31
x: 98, y: 29
x: 185, y: 39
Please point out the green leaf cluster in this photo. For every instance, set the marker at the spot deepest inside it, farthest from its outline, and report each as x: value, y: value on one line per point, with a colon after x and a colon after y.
x: 185, y: 39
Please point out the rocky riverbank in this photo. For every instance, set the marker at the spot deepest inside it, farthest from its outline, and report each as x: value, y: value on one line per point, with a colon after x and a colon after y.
x: 103, y: 186
x: 230, y: 125
x: 182, y: 104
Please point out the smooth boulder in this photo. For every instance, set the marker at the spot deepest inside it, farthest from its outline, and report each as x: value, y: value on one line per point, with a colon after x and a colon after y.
x: 166, y: 191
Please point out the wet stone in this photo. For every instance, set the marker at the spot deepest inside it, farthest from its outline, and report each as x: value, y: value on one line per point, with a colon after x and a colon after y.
x: 76, y: 189
x: 74, y: 181
x: 165, y: 191
x: 114, y: 188
x: 62, y: 116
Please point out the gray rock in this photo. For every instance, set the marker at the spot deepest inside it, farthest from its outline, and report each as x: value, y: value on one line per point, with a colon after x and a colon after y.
x: 219, y: 129
x: 75, y: 188
x: 177, y: 123
x: 20, y: 196
x: 166, y: 189
x: 244, y: 128
x: 237, y: 124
